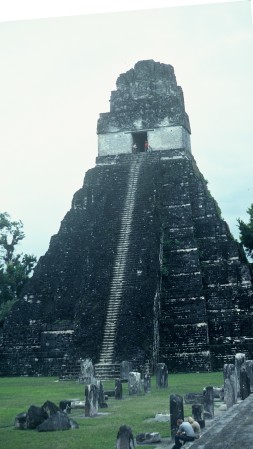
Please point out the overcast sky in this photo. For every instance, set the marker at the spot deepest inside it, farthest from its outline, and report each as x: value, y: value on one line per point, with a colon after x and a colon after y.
x: 57, y: 74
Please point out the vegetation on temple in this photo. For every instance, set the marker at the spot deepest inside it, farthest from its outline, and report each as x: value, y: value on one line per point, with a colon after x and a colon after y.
x: 246, y: 232
x: 15, y: 268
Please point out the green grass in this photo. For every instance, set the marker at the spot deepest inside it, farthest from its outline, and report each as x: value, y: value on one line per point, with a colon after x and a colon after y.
x: 18, y: 393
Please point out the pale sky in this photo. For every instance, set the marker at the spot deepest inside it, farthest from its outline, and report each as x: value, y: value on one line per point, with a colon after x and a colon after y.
x: 57, y: 73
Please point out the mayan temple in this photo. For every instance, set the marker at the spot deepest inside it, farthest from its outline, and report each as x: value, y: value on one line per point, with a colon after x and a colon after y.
x: 143, y: 268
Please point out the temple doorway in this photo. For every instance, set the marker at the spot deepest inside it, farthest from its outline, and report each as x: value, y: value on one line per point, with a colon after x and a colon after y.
x: 139, y: 141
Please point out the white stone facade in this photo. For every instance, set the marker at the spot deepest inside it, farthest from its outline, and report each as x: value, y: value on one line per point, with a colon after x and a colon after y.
x: 164, y: 138
x: 169, y: 138
x: 114, y: 143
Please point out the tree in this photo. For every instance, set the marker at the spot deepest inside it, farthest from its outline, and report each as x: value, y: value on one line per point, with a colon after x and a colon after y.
x: 15, y: 269
x: 246, y: 232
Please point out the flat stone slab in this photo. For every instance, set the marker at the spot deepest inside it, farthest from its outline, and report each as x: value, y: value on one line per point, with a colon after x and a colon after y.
x: 162, y: 417
x: 148, y: 438
x: 98, y: 415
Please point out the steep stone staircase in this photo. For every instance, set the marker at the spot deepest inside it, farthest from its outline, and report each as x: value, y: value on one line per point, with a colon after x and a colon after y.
x: 106, y: 368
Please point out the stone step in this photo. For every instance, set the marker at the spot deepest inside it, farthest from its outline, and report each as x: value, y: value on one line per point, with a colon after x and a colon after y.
x: 106, y: 352
x: 114, y: 298
x: 109, y: 332
x: 118, y: 275
x: 108, y: 372
x: 113, y: 307
x: 110, y: 328
x: 113, y: 313
x: 121, y: 277
x: 115, y: 283
x: 113, y: 303
x: 109, y: 336
x: 117, y: 280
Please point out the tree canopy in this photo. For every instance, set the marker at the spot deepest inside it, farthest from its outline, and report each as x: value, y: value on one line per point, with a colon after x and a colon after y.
x: 246, y: 232
x: 15, y: 268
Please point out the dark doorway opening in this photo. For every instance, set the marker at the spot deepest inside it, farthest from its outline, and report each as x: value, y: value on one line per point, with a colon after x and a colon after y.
x: 139, y: 141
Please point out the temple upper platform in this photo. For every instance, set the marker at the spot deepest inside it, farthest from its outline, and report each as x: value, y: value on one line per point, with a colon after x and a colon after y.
x: 147, y: 111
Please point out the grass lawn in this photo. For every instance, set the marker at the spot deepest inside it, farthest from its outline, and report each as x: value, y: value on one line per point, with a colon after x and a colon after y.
x: 18, y: 393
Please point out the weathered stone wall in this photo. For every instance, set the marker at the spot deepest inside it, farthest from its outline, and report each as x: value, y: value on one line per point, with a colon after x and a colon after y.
x: 207, y: 291
x: 184, y: 324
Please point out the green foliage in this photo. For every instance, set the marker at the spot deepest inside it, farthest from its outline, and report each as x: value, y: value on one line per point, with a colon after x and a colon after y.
x: 15, y: 268
x: 18, y: 393
x: 63, y: 323
x: 5, y: 307
x: 205, y: 182
x: 167, y: 242
x: 218, y: 210
x: 165, y: 269
x: 246, y: 232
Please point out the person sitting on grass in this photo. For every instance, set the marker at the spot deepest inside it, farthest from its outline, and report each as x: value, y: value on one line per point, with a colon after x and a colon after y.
x: 185, y: 433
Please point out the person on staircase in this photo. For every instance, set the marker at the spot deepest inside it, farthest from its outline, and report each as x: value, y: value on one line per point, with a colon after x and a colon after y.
x: 147, y: 147
x: 195, y: 425
x: 134, y: 148
x: 185, y: 433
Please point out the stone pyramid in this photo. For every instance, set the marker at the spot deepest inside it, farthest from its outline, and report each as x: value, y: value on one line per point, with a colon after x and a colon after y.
x: 143, y: 268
